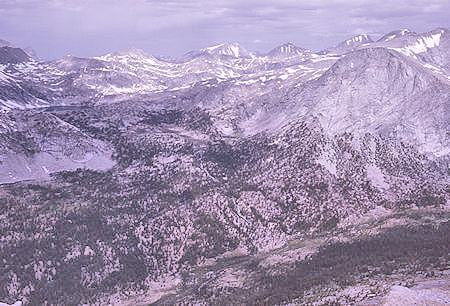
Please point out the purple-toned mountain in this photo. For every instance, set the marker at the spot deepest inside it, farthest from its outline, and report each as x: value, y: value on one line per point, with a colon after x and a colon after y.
x: 225, y: 177
x: 288, y: 50
x: 350, y: 44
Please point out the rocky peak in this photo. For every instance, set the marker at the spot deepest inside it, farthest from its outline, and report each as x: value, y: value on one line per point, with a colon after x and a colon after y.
x: 126, y: 56
x: 351, y: 44
x: 287, y: 50
x: 395, y: 34
x: 232, y: 49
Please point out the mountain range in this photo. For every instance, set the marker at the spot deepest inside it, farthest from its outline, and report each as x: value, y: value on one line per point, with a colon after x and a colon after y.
x: 226, y: 176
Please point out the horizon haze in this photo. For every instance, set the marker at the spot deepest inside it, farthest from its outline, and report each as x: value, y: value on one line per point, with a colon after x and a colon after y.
x: 171, y: 28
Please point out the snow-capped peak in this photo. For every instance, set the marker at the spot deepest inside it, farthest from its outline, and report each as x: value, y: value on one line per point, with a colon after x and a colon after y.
x: 411, y: 43
x: 132, y: 54
x: 432, y: 39
x: 405, y: 31
x: 357, y: 40
x: 233, y: 49
x: 395, y: 34
x: 287, y: 50
x: 350, y: 44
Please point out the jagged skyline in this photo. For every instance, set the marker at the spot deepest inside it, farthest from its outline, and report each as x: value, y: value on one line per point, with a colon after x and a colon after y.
x: 92, y: 28
x: 228, y: 178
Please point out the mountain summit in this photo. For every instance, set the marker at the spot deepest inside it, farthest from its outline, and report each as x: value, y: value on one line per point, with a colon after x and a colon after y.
x: 288, y: 50
x: 396, y: 34
x: 233, y: 49
x: 351, y: 44
x: 226, y: 177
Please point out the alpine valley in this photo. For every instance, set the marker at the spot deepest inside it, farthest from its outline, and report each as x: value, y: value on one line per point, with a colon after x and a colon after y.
x: 227, y: 177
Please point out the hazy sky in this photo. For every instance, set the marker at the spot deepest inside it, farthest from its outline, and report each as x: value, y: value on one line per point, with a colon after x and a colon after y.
x: 55, y: 28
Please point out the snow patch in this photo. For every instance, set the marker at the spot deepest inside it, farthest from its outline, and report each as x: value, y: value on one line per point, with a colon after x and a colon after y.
x: 88, y: 251
x: 327, y: 162
x: 376, y: 177
x: 390, y: 37
x: 12, y: 104
x: 422, y: 45
x: 18, y: 303
x: 400, y: 296
x: 213, y: 47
